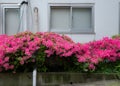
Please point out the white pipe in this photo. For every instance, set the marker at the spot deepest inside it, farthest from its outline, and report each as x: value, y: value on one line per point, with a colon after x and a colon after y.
x: 34, y: 77
x: 36, y: 20
x: 36, y: 28
x: 35, y: 70
x: 25, y: 17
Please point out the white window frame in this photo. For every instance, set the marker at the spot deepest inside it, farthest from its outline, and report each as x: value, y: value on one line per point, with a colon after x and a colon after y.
x: 119, y: 20
x: 3, y: 7
x: 73, y: 5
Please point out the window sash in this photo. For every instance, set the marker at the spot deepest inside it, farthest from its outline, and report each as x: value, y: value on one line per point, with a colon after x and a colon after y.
x: 58, y: 23
x: 12, y: 24
x: 72, y: 6
x: 80, y: 14
x: 3, y: 8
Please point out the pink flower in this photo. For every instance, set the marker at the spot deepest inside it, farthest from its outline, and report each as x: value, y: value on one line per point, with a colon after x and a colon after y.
x: 48, y: 43
x: 92, y: 67
x: 81, y: 59
x: 22, y: 62
x: 94, y: 60
x: 6, y: 59
x: 1, y: 61
x: 27, y: 52
x: 49, y: 52
x: 11, y: 67
x: 6, y: 66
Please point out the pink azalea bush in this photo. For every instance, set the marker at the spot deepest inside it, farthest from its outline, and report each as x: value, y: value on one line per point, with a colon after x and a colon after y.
x: 95, y: 52
x: 18, y: 50
x: 50, y: 52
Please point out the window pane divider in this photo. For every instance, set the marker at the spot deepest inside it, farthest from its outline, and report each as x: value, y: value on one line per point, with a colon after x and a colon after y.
x: 92, y: 20
x: 71, y: 18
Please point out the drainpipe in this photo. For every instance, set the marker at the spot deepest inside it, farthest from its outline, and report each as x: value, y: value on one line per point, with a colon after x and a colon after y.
x: 24, y: 7
x: 24, y: 27
x: 36, y: 27
x: 36, y: 20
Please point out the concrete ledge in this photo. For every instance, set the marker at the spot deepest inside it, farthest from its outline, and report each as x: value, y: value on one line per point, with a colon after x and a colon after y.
x: 60, y: 79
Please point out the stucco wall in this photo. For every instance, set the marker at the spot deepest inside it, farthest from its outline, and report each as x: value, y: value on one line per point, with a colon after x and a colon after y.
x: 106, y: 17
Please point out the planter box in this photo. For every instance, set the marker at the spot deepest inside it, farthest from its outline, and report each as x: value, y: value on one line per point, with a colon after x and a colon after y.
x: 77, y: 79
x: 60, y: 79
x: 18, y: 79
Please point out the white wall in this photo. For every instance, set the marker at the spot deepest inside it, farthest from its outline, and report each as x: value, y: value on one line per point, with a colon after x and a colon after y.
x: 10, y: 1
x: 106, y: 17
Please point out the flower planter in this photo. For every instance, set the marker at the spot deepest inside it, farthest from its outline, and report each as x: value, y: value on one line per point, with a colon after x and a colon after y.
x: 18, y: 79
x: 60, y: 79
x: 77, y: 79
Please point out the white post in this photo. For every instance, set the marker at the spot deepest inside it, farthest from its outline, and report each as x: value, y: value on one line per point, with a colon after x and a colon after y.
x: 34, y: 76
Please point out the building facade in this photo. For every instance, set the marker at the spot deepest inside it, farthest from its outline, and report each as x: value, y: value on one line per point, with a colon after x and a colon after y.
x: 82, y: 20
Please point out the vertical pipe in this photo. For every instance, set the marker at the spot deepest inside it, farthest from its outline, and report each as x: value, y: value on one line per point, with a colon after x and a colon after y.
x: 25, y: 17
x: 36, y: 19
x: 35, y: 30
x: 34, y: 76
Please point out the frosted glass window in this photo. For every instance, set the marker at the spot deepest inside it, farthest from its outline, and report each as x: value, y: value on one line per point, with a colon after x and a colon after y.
x: 12, y: 18
x: 60, y: 18
x: 71, y: 19
x: 81, y: 19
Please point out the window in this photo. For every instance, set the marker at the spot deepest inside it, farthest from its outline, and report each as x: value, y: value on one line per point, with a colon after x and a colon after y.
x: 119, y: 19
x: 76, y: 18
x: 11, y: 18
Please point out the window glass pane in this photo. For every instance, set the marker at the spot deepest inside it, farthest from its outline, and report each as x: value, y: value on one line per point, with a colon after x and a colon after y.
x: 12, y: 18
x: 82, y: 19
x: 60, y: 18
